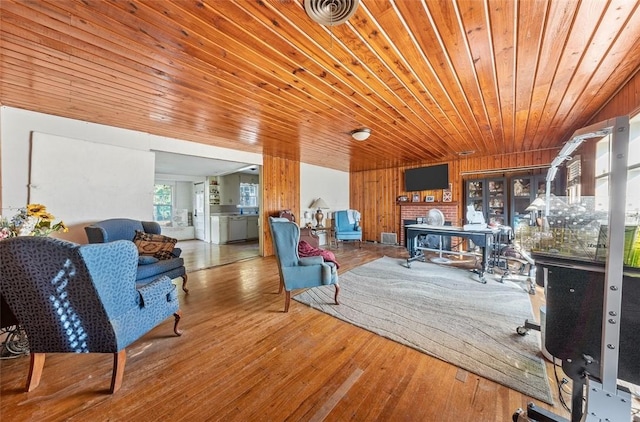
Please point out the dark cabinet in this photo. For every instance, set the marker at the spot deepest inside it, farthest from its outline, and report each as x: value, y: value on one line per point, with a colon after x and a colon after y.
x: 524, y: 190
x: 489, y: 196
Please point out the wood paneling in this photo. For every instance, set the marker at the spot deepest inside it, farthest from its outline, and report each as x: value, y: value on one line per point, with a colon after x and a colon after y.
x: 379, y: 210
x: 280, y: 191
x: 430, y: 78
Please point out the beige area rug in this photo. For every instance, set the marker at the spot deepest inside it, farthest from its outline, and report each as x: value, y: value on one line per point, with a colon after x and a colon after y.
x: 443, y: 312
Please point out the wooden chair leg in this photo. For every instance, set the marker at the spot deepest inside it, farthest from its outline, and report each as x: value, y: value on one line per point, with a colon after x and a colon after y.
x: 35, y: 370
x: 177, y: 317
x: 184, y: 284
x: 336, y: 295
x: 287, y: 300
x: 281, y: 288
x: 119, y: 361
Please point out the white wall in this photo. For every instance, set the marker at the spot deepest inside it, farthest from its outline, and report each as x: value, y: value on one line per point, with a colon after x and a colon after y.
x: 17, y: 125
x: 328, y: 184
x: 15, y: 135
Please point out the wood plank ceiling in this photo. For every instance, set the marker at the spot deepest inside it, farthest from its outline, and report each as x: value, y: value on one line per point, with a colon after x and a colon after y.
x: 431, y: 78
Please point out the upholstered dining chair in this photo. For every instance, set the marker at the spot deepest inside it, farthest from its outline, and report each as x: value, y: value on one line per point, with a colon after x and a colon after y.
x: 72, y: 298
x: 296, y: 272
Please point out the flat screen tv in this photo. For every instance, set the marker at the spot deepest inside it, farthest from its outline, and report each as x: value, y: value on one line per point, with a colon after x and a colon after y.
x: 427, y: 178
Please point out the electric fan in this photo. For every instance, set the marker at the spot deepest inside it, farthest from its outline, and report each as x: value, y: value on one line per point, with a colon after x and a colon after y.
x: 436, y: 218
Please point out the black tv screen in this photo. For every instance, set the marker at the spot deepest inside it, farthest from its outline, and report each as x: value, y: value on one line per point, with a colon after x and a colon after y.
x: 427, y: 178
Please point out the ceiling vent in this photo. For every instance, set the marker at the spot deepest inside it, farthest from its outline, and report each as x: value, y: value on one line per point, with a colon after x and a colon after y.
x: 330, y: 12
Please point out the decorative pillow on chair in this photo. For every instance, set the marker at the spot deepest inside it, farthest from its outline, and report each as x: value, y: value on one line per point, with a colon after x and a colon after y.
x: 155, y: 245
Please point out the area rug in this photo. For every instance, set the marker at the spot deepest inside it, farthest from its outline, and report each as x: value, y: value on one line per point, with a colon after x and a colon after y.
x: 446, y: 313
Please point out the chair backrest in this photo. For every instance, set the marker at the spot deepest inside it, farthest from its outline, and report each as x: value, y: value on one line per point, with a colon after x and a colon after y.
x: 288, y: 215
x: 119, y: 229
x: 342, y: 221
x: 66, y: 295
x: 285, y: 235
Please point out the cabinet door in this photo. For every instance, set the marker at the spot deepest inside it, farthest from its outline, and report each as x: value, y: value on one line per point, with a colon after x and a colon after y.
x: 476, y: 194
x: 252, y: 227
x: 522, y: 194
x: 237, y: 229
x: 496, y: 201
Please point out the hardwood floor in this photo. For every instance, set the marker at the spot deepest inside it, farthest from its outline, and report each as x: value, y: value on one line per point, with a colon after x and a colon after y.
x: 242, y: 359
x: 199, y: 255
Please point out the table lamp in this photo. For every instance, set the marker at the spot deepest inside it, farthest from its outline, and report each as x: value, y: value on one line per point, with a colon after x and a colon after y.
x: 319, y: 204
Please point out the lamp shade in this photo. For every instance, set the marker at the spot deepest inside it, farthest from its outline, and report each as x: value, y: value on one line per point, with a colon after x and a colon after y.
x: 361, y: 134
x: 537, y: 204
x: 319, y: 204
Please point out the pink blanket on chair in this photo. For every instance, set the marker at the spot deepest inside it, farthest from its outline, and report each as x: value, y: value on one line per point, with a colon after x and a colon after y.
x: 305, y: 249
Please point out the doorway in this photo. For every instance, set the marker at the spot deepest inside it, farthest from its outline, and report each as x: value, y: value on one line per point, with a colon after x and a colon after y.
x: 198, y: 211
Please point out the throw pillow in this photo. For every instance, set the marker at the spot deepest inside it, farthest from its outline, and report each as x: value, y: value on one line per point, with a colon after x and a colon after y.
x: 155, y: 245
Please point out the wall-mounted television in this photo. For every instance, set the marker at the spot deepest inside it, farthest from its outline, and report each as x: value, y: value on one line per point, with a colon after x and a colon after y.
x: 427, y: 178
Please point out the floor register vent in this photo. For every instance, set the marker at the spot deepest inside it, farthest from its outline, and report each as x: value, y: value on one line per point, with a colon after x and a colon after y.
x: 389, y: 239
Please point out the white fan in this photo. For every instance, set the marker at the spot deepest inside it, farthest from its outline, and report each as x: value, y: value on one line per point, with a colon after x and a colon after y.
x: 436, y: 218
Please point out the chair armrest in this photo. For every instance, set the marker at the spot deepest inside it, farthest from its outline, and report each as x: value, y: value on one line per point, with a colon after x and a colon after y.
x: 95, y: 234
x: 311, y: 260
x: 176, y: 252
x: 158, y: 291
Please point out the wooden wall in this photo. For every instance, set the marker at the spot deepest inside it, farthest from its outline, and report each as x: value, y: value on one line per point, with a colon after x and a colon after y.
x: 626, y: 101
x: 374, y: 192
x: 280, y: 190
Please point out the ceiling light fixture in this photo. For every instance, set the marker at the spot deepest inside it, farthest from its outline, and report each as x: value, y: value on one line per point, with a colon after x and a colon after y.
x: 361, y: 134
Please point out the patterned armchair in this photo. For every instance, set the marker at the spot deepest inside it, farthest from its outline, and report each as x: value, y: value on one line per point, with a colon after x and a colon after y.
x: 72, y: 298
x: 296, y: 272
x: 347, y: 226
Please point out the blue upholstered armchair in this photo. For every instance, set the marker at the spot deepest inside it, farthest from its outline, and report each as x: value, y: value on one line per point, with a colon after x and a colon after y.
x: 125, y: 229
x: 347, y: 226
x: 296, y: 272
x: 72, y: 298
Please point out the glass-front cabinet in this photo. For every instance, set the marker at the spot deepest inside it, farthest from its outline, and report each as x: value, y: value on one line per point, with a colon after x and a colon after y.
x: 488, y: 196
x: 525, y: 190
x: 497, y: 201
x: 475, y: 194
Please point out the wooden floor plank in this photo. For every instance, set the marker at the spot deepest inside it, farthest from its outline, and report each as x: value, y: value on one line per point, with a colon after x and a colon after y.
x: 241, y: 358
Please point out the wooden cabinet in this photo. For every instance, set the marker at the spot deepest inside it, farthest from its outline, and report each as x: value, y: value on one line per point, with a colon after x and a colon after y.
x: 490, y: 197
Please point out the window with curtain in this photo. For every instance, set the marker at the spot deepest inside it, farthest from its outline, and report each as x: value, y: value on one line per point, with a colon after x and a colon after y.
x: 163, y: 203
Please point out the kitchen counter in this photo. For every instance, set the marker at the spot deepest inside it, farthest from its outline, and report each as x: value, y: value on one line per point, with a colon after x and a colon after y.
x: 233, y: 227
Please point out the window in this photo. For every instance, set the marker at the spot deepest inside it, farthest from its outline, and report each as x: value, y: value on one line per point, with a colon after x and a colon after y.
x: 163, y: 203
x: 633, y: 170
x: 248, y: 195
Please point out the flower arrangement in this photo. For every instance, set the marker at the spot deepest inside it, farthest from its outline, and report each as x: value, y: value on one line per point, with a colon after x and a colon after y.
x: 33, y: 220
